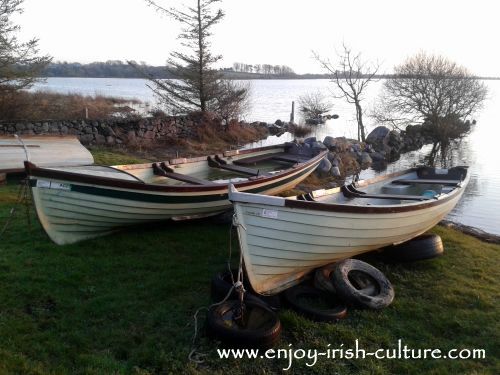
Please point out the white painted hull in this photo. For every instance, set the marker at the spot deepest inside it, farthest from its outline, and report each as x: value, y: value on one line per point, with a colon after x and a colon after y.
x: 282, y: 244
x: 71, y: 211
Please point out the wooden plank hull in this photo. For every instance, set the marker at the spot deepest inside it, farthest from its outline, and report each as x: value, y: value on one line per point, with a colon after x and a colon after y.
x: 281, y: 242
x: 72, y: 209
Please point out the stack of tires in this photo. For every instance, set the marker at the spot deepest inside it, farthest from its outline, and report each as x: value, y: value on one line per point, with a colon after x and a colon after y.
x: 255, y: 323
x: 326, y: 297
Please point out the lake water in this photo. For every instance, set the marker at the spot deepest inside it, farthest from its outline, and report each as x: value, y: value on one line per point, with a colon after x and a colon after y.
x: 271, y: 100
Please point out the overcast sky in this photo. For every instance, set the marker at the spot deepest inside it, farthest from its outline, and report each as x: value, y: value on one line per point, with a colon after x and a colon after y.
x: 273, y: 31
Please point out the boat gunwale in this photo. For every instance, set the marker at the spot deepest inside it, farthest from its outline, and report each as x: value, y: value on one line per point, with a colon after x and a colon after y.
x: 33, y: 171
x: 178, y: 161
x: 349, y: 208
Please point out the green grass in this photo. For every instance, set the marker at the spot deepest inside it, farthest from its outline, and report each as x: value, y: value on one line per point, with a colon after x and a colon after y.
x: 124, y: 304
x: 106, y: 156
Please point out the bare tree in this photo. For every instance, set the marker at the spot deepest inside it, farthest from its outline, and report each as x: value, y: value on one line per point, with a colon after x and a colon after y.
x: 434, y: 91
x: 313, y: 105
x: 351, y: 76
x: 233, y: 101
x: 20, y: 64
x: 198, y: 85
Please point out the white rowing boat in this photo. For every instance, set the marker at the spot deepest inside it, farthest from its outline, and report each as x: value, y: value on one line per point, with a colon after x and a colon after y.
x: 78, y: 203
x: 283, y: 239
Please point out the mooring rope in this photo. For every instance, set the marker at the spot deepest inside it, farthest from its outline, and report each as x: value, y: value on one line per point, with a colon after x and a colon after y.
x: 194, y: 355
x: 26, y: 152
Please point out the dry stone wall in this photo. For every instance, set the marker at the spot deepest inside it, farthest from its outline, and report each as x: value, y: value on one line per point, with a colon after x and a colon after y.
x: 108, y: 132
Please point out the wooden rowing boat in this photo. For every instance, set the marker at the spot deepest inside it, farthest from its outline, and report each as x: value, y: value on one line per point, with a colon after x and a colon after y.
x: 283, y: 239
x: 78, y: 203
x: 44, y: 151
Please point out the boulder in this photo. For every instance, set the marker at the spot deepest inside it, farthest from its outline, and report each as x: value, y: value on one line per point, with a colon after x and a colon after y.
x: 310, y: 140
x: 356, y: 147
x: 377, y: 157
x: 378, y: 136
x: 86, y: 139
x: 339, y: 144
x: 331, y: 156
x: 329, y: 141
x: 293, y: 148
x: 100, y: 139
x: 384, y: 140
x: 335, y: 171
x: 275, y: 129
x: 318, y: 146
x: 324, y: 167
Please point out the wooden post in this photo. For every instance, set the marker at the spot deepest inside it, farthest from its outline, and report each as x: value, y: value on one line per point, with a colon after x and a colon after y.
x: 86, y: 113
x: 292, y: 114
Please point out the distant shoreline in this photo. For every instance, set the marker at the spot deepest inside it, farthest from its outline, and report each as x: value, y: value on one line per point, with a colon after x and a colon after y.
x: 120, y: 70
x: 247, y: 77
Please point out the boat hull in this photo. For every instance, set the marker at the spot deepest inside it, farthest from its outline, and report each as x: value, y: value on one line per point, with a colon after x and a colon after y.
x: 44, y: 151
x: 284, y: 240
x: 72, y: 209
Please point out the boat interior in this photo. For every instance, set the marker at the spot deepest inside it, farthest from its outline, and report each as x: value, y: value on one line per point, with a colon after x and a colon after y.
x: 418, y: 185
x: 230, y: 166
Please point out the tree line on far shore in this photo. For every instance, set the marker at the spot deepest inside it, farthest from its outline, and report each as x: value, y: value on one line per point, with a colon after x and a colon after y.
x: 121, y: 69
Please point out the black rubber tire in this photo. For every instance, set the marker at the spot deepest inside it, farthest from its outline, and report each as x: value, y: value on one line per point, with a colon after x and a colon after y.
x: 337, y: 311
x: 425, y: 246
x: 220, y: 285
x: 322, y: 278
x: 222, y: 282
x: 264, y: 332
x: 362, y: 285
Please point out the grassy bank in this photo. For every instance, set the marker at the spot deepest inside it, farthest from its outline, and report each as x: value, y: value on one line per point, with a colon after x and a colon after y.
x: 124, y: 304
x: 44, y: 105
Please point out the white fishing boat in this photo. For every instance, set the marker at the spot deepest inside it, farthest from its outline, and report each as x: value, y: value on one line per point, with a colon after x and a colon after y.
x: 283, y: 239
x: 78, y: 203
x: 44, y: 151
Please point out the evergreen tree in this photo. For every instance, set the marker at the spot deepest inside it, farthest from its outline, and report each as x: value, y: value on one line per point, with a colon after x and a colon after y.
x: 20, y: 64
x: 198, y: 85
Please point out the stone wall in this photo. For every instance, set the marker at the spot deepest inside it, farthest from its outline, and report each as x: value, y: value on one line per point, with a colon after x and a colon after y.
x: 108, y: 132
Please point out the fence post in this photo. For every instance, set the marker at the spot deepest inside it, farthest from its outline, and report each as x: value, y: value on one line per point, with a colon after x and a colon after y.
x: 292, y: 114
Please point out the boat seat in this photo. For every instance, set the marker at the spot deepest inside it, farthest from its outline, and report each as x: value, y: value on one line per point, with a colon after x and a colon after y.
x: 351, y: 192
x: 252, y: 160
x: 160, y: 169
x: 427, y: 181
x: 282, y: 156
x: 212, y: 162
x: 290, y: 158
